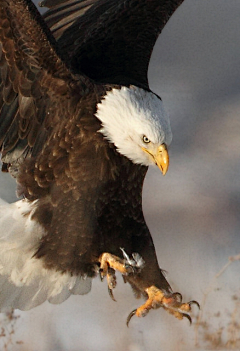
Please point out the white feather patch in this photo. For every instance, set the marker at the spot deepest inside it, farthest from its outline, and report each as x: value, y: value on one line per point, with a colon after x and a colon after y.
x: 24, y: 282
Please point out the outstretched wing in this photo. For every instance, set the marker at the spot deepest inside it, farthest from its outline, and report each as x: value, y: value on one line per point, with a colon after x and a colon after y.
x: 37, y: 89
x: 109, y: 40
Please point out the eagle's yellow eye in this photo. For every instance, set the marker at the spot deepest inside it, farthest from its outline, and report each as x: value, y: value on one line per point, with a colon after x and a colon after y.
x: 146, y: 140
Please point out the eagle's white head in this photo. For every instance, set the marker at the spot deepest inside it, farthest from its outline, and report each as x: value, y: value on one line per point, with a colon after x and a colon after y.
x: 135, y: 121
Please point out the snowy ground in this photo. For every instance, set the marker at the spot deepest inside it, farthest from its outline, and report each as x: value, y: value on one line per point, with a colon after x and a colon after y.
x: 193, y: 212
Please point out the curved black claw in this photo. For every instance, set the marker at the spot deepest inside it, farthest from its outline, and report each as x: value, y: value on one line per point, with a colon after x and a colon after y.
x: 130, y: 316
x: 111, y: 294
x: 188, y: 317
x: 179, y: 295
x: 100, y: 271
x: 193, y: 302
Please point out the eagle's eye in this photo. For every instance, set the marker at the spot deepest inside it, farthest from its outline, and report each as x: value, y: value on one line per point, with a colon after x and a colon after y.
x: 146, y: 140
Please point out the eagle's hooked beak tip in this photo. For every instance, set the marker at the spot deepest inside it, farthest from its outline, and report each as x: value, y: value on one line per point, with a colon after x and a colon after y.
x: 160, y: 157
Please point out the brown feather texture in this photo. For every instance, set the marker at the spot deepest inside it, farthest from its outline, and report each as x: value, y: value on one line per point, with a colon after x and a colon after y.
x: 81, y: 195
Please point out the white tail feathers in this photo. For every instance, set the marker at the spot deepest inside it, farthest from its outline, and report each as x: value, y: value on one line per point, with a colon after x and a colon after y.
x: 24, y: 282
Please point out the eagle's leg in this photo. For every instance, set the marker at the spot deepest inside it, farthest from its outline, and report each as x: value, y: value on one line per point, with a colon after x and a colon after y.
x: 171, y: 302
x: 110, y: 263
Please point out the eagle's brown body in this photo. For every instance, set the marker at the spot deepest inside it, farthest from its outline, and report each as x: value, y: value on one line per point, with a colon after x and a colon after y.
x: 87, y: 197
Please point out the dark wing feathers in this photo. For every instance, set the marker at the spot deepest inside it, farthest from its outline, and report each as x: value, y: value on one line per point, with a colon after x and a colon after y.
x: 34, y: 81
x: 63, y: 14
x: 111, y: 41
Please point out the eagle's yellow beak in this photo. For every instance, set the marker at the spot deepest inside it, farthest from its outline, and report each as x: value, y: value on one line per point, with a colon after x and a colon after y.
x: 160, y: 157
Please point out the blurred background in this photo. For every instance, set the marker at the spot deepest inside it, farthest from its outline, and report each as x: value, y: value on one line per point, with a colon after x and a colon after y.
x: 192, y: 212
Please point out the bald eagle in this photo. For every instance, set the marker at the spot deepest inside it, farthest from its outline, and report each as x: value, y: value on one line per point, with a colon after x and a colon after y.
x: 79, y: 127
